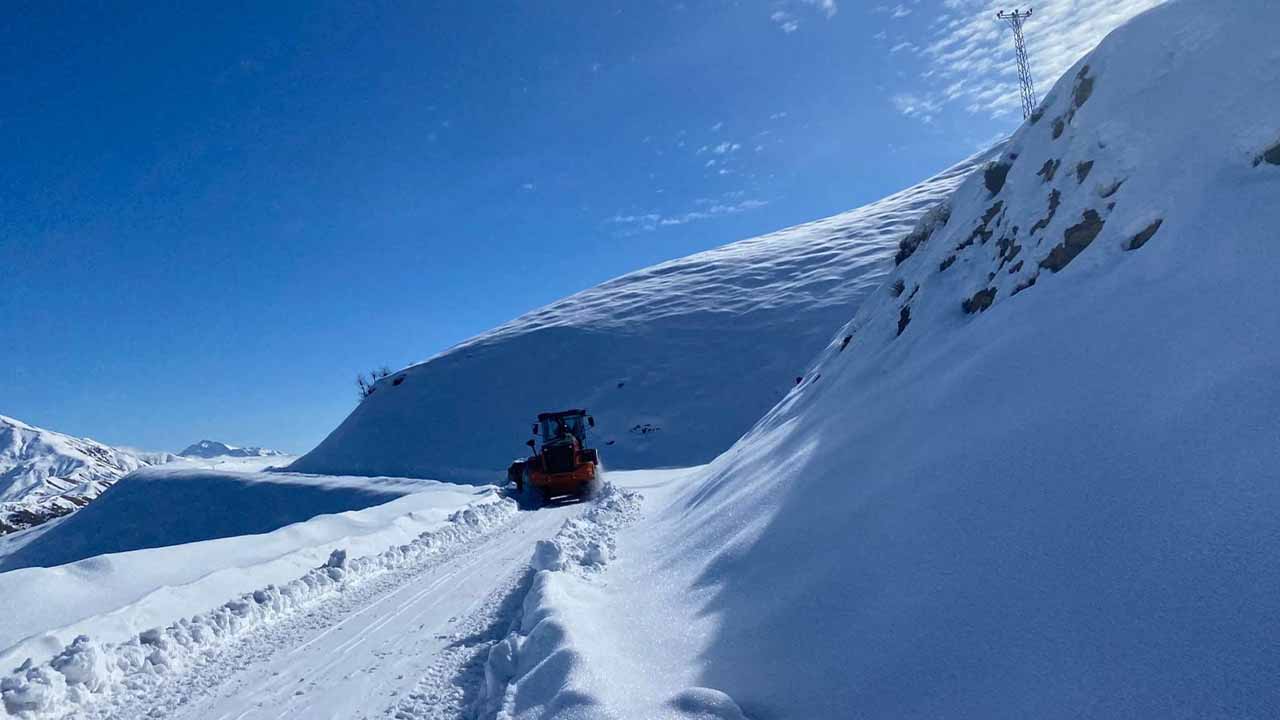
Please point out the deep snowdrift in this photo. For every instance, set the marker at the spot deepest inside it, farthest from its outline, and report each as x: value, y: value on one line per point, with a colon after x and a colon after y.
x: 46, y: 474
x: 675, y: 361
x: 176, y: 504
x: 995, y: 499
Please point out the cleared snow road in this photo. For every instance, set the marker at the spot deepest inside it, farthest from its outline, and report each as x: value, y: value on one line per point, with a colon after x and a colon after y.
x: 391, y: 647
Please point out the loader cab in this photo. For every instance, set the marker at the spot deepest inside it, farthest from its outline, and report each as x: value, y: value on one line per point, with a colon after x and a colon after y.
x: 558, y: 428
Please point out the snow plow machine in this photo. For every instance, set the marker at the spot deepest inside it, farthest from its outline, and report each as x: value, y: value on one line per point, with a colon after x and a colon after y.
x: 564, y: 465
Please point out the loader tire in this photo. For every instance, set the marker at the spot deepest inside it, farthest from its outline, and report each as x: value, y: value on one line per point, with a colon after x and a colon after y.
x: 516, y: 475
x: 530, y: 497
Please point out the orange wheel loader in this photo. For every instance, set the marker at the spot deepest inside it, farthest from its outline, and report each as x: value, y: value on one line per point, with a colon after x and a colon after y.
x: 564, y: 465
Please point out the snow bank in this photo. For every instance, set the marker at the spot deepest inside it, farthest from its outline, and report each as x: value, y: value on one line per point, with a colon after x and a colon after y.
x: 675, y: 361
x: 527, y: 672
x: 115, y: 596
x: 176, y: 504
x: 1035, y: 475
x: 89, y: 670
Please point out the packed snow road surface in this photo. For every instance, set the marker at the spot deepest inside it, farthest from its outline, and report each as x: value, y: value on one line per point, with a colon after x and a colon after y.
x: 363, y: 652
x: 403, y: 633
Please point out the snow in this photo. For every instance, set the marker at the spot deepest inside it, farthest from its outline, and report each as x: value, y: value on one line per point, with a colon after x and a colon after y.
x: 1033, y: 476
x: 126, y: 678
x: 535, y: 664
x: 216, y: 449
x: 120, y: 594
x: 675, y: 361
x: 398, y: 620
x: 117, y: 597
x: 175, y: 504
x: 588, y: 642
x: 45, y: 474
x: 1061, y: 505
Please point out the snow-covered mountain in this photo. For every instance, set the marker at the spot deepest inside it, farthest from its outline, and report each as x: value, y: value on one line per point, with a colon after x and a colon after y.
x: 675, y: 361
x: 1033, y: 476
x: 1036, y: 474
x: 215, y: 449
x: 46, y: 474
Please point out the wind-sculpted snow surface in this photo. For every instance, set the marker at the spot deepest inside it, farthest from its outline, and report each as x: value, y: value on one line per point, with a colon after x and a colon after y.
x: 88, y: 674
x: 675, y: 361
x: 1036, y: 475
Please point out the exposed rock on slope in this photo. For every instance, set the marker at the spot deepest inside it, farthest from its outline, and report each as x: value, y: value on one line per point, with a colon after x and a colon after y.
x: 675, y: 361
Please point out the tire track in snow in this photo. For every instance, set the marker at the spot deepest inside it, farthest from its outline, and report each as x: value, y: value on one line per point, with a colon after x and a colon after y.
x: 450, y: 688
x: 315, y: 670
x: 227, y: 668
x: 463, y: 682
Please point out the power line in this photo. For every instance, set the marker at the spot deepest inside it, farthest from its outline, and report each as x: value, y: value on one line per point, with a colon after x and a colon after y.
x: 1015, y: 20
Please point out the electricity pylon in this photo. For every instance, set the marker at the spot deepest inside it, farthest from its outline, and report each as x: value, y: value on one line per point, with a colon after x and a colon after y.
x: 1015, y: 20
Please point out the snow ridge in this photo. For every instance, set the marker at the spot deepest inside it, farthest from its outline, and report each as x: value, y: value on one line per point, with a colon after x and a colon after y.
x: 88, y: 674
x: 579, y: 551
x: 675, y: 361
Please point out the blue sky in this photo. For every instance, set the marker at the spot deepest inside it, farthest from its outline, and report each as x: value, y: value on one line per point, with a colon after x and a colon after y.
x: 212, y: 218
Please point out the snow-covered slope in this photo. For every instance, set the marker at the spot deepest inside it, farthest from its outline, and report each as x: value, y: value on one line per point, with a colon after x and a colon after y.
x: 675, y: 361
x: 114, y: 597
x: 178, y: 504
x: 45, y: 474
x: 1034, y: 477
x: 214, y: 449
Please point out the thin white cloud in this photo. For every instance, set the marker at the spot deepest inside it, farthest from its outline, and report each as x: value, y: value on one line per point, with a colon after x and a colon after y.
x: 916, y: 106
x: 785, y: 20
x: 970, y: 56
x: 707, y: 210
x: 723, y: 148
x: 828, y: 7
x: 786, y: 14
x: 897, y: 11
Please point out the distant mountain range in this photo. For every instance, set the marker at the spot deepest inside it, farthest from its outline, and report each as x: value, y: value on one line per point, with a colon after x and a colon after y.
x: 46, y: 474
x: 213, y: 448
